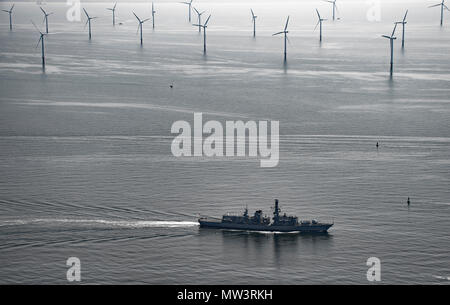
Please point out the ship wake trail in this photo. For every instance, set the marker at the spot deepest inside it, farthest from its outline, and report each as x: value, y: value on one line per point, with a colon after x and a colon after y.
x: 439, y: 277
x: 100, y: 223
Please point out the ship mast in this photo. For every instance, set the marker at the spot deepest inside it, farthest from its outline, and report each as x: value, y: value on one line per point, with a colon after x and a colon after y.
x: 276, y: 212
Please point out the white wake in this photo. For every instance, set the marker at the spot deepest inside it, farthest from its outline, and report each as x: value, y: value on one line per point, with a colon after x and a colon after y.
x: 101, y: 222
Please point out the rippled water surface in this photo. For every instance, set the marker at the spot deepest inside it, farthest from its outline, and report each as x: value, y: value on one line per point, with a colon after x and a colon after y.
x: 86, y: 168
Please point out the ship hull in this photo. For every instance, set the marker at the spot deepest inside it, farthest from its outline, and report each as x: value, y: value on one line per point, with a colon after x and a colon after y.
x: 302, y: 228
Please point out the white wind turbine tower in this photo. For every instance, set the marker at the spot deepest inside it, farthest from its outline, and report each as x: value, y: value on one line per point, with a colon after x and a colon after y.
x: 41, y: 41
x: 442, y: 5
x: 153, y: 15
x: 113, y: 10
x: 199, y: 15
x: 403, y: 25
x: 88, y: 22
x: 45, y: 19
x: 391, y: 39
x: 334, y: 8
x: 254, y: 22
x: 10, y: 16
x: 285, y: 32
x: 140, y: 25
x: 204, y: 32
x: 190, y: 8
x: 319, y: 23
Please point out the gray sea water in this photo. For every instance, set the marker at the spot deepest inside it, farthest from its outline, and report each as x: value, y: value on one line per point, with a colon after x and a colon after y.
x: 86, y: 168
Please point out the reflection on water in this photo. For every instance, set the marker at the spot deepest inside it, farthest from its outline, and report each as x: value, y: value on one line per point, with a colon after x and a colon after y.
x: 280, y: 248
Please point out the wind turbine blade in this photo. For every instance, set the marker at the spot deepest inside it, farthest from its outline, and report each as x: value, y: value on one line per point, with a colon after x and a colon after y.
x: 207, y: 20
x: 43, y: 10
x: 136, y: 17
x: 253, y: 14
x: 318, y: 13
x: 434, y: 5
x: 40, y: 38
x: 316, y: 25
x: 109, y: 9
x: 287, y: 23
x: 5, y: 11
x: 404, y: 18
x: 137, y: 31
x: 385, y: 36
x: 446, y: 7
x: 85, y: 12
x: 12, y: 7
x: 37, y: 29
x: 288, y: 40
x: 393, y: 32
x: 277, y: 33
x: 114, y: 7
x: 146, y: 20
x: 196, y: 11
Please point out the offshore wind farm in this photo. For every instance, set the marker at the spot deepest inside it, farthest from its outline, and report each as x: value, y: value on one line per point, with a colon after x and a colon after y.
x: 85, y: 133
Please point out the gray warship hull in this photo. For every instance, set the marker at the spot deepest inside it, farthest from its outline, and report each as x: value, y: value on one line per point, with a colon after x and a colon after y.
x: 301, y: 228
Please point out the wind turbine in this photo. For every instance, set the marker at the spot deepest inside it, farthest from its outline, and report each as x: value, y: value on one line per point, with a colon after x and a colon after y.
x: 319, y: 23
x: 10, y: 16
x: 442, y: 10
x: 254, y: 22
x: 140, y: 24
x: 88, y: 22
x: 41, y: 41
x: 391, y: 39
x: 204, y: 32
x: 334, y: 7
x: 190, y: 8
x: 199, y: 19
x: 45, y: 19
x: 285, y: 32
x: 403, y: 25
x: 153, y: 15
x: 113, y: 10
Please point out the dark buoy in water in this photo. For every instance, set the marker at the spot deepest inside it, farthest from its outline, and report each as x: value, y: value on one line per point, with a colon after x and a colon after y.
x: 377, y: 145
x: 409, y: 201
x: 171, y: 86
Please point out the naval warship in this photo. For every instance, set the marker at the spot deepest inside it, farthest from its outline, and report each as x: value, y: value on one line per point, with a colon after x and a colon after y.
x: 258, y: 222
